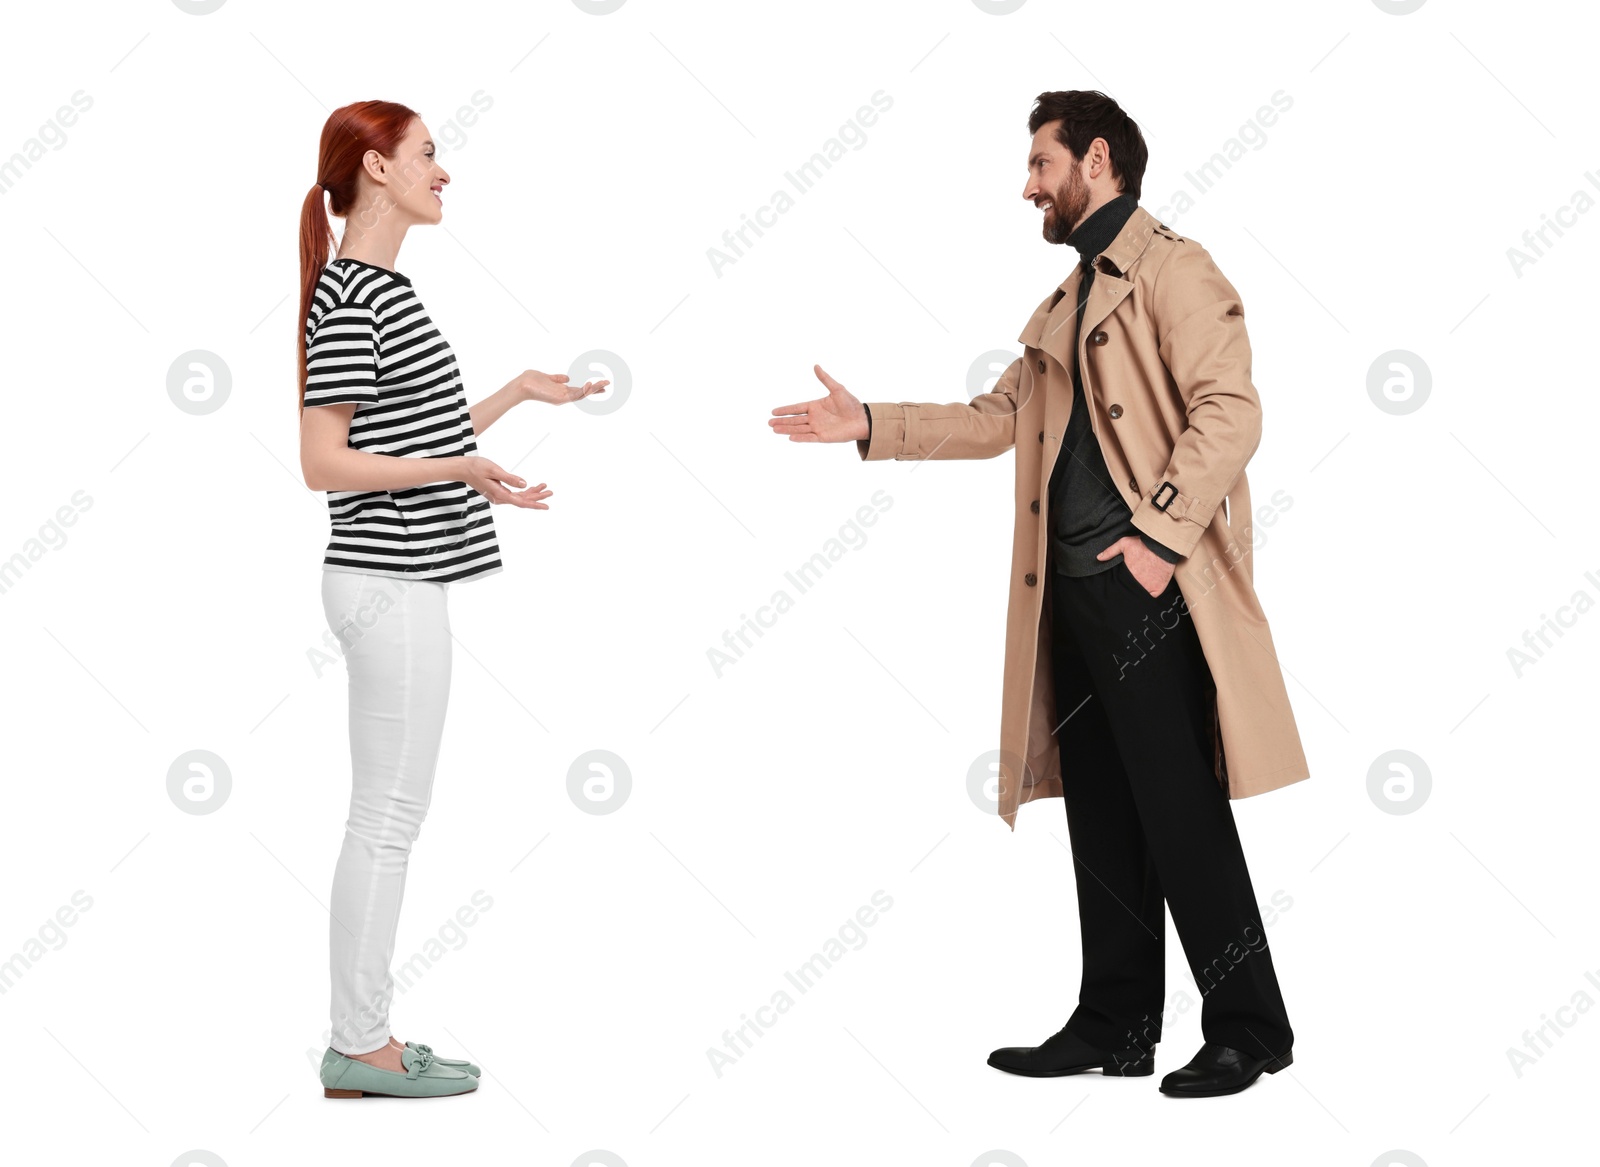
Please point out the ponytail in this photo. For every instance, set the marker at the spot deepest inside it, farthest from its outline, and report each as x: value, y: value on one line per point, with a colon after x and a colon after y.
x: 347, y: 135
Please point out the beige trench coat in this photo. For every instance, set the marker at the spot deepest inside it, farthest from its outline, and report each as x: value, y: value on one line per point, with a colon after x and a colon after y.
x: 1166, y: 372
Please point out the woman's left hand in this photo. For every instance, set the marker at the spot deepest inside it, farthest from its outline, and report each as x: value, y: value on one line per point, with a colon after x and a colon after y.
x: 553, y: 389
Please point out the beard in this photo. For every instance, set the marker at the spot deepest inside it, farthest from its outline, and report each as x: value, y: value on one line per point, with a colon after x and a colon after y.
x: 1070, y: 202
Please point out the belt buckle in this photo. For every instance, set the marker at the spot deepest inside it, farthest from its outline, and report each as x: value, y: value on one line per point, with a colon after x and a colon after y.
x: 1162, y: 506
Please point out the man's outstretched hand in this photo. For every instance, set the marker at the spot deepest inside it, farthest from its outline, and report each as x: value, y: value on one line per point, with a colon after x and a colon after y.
x: 838, y: 417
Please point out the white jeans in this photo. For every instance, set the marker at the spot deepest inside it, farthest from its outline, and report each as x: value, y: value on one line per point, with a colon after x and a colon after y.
x: 395, y: 635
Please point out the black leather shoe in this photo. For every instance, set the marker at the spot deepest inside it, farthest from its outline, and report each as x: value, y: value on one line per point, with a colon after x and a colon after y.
x: 1218, y: 1069
x: 1066, y: 1053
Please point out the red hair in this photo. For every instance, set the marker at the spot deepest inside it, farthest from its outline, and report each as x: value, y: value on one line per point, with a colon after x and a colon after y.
x: 347, y: 135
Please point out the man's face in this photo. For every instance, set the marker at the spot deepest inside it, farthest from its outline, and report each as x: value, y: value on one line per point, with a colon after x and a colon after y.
x: 1056, y: 184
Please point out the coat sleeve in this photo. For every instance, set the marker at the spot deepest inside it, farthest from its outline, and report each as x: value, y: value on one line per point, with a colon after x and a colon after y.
x: 1200, y: 331
x: 982, y: 428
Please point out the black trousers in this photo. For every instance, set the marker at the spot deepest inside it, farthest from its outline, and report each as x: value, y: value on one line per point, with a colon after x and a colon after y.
x: 1149, y: 822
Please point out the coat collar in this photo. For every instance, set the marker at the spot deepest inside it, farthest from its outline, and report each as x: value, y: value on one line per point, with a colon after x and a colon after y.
x: 1051, y: 329
x: 1130, y: 242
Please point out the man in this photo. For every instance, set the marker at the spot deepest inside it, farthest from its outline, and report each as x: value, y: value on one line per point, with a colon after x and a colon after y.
x: 1141, y: 684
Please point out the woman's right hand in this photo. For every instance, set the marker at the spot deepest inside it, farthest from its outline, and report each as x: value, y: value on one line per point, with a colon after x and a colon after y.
x: 495, y: 484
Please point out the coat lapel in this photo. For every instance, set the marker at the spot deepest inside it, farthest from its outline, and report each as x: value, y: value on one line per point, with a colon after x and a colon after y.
x: 1050, y: 329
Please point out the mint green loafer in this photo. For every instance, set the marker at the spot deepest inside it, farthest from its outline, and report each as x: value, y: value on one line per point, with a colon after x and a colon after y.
x: 453, y: 1063
x: 344, y: 1077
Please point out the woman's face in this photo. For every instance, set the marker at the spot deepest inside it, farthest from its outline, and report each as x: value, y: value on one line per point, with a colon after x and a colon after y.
x: 411, y: 180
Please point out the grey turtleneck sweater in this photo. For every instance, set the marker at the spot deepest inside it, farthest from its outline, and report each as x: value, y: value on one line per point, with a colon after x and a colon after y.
x: 1087, y: 512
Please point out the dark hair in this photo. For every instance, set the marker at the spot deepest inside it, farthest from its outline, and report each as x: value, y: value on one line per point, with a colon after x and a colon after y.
x: 1087, y: 114
x: 347, y: 135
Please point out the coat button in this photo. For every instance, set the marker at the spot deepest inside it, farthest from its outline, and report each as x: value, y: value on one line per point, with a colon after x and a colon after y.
x: 1133, y: 486
x: 1041, y: 366
x: 1030, y: 579
x: 1098, y: 337
x: 1115, y: 411
x: 1034, y: 506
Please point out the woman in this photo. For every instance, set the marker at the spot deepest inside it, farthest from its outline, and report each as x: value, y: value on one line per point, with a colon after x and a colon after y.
x: 385, y: 429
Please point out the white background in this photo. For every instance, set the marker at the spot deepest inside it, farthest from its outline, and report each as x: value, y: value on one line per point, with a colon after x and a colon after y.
x: 186, y: 1007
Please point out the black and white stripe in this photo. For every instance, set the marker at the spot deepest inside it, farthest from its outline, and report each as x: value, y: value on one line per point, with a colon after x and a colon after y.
x: 369, y: 341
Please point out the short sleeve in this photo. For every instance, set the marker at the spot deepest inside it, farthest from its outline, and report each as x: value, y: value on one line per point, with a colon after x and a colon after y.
x: 342, y: 356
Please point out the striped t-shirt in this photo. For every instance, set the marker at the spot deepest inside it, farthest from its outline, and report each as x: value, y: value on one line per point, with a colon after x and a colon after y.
x: 369, y: 341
